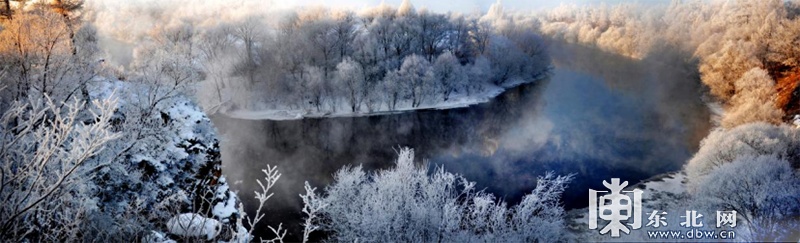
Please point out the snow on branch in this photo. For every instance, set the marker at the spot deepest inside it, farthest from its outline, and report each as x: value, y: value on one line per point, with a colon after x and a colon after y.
x: 44, y: 145
x: 411, y: 203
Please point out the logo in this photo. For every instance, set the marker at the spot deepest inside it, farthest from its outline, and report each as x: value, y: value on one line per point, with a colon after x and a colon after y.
x: 657, y: 219
x: 618, y: 211
x: 616, y: 207
x: 726, y: 218
x: 692, y: 219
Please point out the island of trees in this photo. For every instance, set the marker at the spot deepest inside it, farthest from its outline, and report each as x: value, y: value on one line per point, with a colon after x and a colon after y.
x: 319, y: 62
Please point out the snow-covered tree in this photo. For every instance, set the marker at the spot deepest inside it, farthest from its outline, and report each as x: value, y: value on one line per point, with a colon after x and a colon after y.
x: 249, y: 32
x: 315, y: 88
x: 754, y: 100
x: 763, y: 190
x: 433, y: 29
x: 247, y: 66
x: 418, y: 79
x: 392, y: 85
x: 751, y: 169
x: 37, y: 52
x: 721, y: 68
x: 214, y: 47
x: 110, y: 172
x: 723, y: 146
x: 45, y: 149
x: 479, y: 74
x: 450, y: 74
x: 350, y: 78
x: 411, y: 203
x: 508, y: 62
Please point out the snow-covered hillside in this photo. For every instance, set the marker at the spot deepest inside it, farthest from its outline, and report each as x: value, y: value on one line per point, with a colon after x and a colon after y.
x: 174, y: 164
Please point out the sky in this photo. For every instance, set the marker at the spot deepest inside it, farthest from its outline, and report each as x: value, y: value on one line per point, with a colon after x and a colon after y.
x: 463, y: 6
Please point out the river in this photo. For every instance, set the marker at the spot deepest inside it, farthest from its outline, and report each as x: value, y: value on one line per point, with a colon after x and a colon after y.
x: 597, y: 116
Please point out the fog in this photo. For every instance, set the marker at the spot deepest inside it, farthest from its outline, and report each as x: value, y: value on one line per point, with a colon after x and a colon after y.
x: 594, y: 89
x: 598, y: 116
x: 463, y: 6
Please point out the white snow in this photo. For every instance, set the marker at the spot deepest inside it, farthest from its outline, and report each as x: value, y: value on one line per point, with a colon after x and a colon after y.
x: 225, y: 208
x: 165, y: 180
x: 194, y: 225
x: 157, y: 237
x: 670, y: 183
x: 455, y: 101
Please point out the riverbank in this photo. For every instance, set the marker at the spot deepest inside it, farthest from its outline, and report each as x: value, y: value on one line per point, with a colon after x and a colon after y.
x: 457, y: 100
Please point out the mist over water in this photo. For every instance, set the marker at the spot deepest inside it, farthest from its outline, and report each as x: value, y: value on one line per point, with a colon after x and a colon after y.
x: 598, y: 116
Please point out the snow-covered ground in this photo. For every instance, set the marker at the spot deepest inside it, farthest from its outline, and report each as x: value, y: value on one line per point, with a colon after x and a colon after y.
x: 180, y: 152
x: 670, y: 183
x: 194, y: 225
x: 456, y: 100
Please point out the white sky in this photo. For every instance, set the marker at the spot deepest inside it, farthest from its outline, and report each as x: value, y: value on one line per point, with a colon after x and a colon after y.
x: 463, y: 6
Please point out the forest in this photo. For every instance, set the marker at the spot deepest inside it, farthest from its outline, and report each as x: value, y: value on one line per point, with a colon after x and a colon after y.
x: 324, y: 62
x: 746, y: 54
x: 105, y: 132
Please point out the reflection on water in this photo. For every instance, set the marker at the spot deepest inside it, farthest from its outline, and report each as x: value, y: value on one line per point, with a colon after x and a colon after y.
x: 598, y: 116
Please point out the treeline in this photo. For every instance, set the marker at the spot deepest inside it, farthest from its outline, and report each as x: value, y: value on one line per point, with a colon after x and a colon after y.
x: 383, y: 58
x: 744, y: 47
x: 745, y: 50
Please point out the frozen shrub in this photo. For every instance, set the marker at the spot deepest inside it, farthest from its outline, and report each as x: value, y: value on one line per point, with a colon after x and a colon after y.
x: 726, y: 145
x: 764, y: 191
x: 412, y: 204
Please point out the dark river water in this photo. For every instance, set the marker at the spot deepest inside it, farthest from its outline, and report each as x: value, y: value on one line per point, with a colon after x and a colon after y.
x: 598, y: 116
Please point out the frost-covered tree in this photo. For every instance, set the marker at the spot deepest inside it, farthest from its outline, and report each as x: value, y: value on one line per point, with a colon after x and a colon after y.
x: 418, y: 79
x: 764, y: 191
x: 450, y: 74
x: 393, y: 88
x: 345, y: 29
x: 723, y: 146
x: 751, y: 169
x: 350, y: 78
x: 37, y: 51
x: 457, y: 39
x: 214, y: 46
x: 370, y: 56
x: 315, y: 88
x: 479, y: 74
x: 249, y: 32
x: 507, y: 61
x: 163, y: 74
x: 271, y: 65
x: 721, y: 68
x: 785, y: 43
x: 433, y: 29
x: 729, y: 39
x: 45, y: 147
x: 754, y: 100
x: 246, y: 224
x: 411, y: 203
x: 163, y: 155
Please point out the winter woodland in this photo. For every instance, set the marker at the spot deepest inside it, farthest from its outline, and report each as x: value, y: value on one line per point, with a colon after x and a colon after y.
x: 105, y: 134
